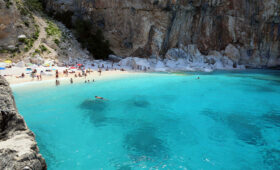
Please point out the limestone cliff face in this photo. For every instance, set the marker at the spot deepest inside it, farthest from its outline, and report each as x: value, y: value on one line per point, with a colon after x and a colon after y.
x: 15, y: 20
x: 18, y: 148
x: 151, y: 27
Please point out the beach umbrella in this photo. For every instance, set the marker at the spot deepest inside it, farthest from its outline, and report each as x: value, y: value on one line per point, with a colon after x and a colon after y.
x: 79, y: 64
x: 72, y: 67
x: 46, y: 65
x: 8, y: 61
x: 2, y: 68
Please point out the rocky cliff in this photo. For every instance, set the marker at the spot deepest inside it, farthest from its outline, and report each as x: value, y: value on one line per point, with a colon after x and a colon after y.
x: 15, y: 21
x: 247, y: 31
x: 27, y: 35
x: 18, y: 148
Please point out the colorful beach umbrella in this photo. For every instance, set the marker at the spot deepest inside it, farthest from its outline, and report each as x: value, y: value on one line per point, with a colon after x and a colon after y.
x: 72, y: 67
x: 2, y: 68
x: 8, y: 61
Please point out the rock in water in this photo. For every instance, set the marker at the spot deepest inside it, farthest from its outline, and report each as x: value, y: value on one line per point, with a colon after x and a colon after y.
x: 18, y: 148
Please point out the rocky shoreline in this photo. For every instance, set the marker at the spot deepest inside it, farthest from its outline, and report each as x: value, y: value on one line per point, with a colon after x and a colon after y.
x: 18, y: 147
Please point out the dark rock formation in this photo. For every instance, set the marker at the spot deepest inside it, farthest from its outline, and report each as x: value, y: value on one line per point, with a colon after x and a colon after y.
x: 248, y: 28
x: 18, y: 148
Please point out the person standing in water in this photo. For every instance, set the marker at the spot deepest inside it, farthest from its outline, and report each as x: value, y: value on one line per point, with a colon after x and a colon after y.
x: 57, y: 83
x: 71, y: 81
x: 99, y: 72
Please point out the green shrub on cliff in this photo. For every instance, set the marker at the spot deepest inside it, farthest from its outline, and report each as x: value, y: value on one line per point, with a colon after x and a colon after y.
x: 95, y: 43
x: 8, y: 3
x: 34, y: 5
x: 43, y: 48
x: 52, y: 29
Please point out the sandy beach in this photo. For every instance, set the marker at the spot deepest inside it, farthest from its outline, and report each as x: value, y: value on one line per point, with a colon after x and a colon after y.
x: 12, y: 75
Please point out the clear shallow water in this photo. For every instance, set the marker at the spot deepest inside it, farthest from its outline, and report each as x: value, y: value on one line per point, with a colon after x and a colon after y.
x: 222, y: 121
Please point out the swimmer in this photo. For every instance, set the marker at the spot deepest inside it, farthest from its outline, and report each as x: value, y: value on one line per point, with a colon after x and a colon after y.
x: 101, y: 98
x: 198, y: 77
x: 71, y: 81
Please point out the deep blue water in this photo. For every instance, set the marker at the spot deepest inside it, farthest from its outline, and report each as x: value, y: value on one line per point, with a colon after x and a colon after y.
x: 224, y: 120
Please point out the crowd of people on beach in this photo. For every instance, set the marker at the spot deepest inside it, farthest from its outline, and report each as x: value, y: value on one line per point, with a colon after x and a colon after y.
x: 39, y: 72
x: 74, y: 71
x: 81, y: 72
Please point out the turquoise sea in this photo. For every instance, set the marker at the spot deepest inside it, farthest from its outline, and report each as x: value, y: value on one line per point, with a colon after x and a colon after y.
x: 224, y: 120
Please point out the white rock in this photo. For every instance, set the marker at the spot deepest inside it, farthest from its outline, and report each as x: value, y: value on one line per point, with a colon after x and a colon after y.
x: 192, y: 50
x: 115, y: 58
x: 37, y: 59
x: 20, y: 64
x: 22, y: 36
x: 233, y: 53
x: 176, y: 53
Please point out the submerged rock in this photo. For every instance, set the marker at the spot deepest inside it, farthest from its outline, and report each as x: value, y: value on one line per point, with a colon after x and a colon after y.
x: 139, y: 102
x: 18, y: 148
x: 272, y: 118
x: 93, y: 105
x: 244, y: 127
x: 95, y: 111
x: 272, y: 158
x: 143, y: 143
x: 245, y: 130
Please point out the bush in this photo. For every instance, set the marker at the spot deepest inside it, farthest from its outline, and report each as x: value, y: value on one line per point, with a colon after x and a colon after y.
x: 8, y: 3
x: 56, y: 41
x: 95, y: 43
x: 34, y: 5
x: 37, y: 32
x: 43, y: 48
x: 37, y: 51
x: 23, y: 11
x: 52, y: 29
